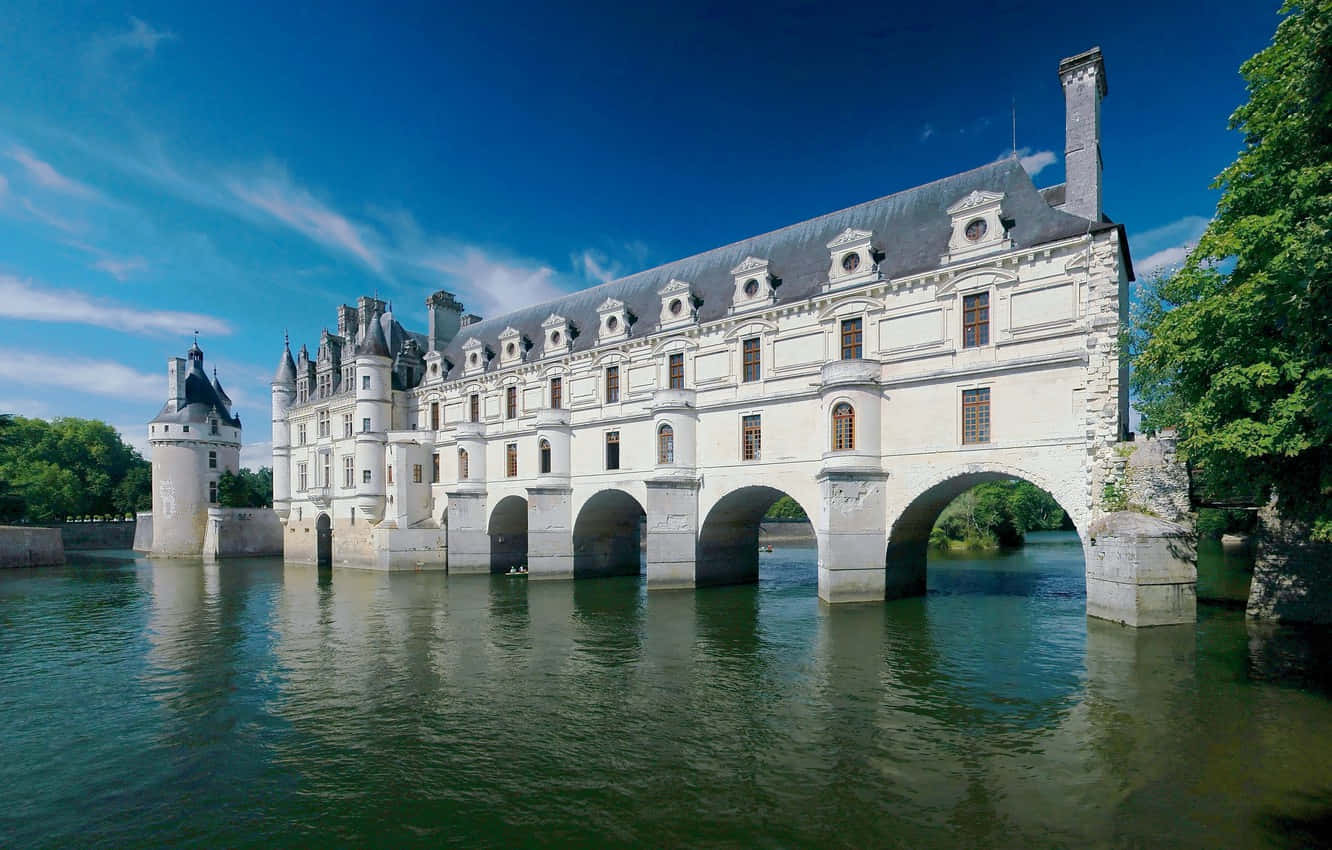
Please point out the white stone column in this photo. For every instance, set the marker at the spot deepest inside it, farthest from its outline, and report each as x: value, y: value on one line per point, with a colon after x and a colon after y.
x: 672, y: 532
x: 465, y: 513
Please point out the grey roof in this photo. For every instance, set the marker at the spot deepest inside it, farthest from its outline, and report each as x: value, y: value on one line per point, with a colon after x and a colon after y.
x: 217, y: 388
x: 1055, y: 195
x: 911, y: 229
x: 286, y: 370
x: 201, y: 399
x: 374, y: 342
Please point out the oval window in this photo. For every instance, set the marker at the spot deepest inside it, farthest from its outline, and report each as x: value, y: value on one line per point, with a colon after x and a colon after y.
x: 976, y: 229
x: 555, y: 338
x: 751, y: 287
x: 851, y: 262
x: 676, y: 306
x: 612, y: 323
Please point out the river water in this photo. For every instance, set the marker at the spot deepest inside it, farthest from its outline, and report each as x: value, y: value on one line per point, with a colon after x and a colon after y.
x: 256, y: 704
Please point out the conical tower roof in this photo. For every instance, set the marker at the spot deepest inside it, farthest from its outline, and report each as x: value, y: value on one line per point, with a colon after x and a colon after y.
x: 286, y: 370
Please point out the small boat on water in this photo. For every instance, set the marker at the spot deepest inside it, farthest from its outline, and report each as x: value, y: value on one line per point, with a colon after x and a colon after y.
x: 517, y: 570
x: 766, y: 547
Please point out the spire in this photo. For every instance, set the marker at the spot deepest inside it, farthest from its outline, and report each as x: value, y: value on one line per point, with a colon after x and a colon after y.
x: 286, y: 370
x: 374, y: 342
x: 221, y: 393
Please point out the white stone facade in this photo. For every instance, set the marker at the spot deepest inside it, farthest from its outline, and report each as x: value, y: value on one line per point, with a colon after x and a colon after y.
x: 746, y: 354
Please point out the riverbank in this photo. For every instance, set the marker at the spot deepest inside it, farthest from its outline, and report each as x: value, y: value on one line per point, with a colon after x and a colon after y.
x: 786, y: 532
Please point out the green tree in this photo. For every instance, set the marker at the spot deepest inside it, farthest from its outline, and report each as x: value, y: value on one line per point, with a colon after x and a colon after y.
x: 246, y: 488
x: 786, y: 508
x: 68, y: 468
x: 1234, y: 349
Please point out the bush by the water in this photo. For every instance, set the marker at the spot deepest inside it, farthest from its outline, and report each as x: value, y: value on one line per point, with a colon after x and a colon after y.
x: 246, y: 489
x: 997, y: 514
x: 785, y: 508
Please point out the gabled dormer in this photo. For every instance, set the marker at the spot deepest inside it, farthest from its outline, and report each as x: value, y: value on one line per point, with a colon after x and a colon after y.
x: 612, y: 321
x: 977, y: 227
x: 678, y: 305
x: 474, y: 356
x: 511, y: 349
x: 557, y: 336
x: 755, y: 285
x: 852, y: 259
x: 434, y: 366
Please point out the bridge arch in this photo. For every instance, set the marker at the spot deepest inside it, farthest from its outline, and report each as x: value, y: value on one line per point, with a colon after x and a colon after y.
x: 909, y: 530
x: 728, y: 537
x: 607, y: 535
x: 508, y: 533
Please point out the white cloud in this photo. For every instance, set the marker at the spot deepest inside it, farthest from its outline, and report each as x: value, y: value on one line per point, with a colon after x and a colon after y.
x: 136, y: 435
x: 141, y: 36
x: 596, y: 266
x: 44, y: 174
x: 277, y: 196
x: 98, y: 376
x: 30, y: 407
x: 498, y: 285
x: 1036, y: 162
x: 21, y: 299
x: 926, y: 132
x: 1166, y: 247
x: 255, y: 455
x: 121, y: 269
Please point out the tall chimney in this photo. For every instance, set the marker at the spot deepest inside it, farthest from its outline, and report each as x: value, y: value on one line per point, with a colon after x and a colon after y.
x: 445, y: 318
x: 1083, y: 79
x: 176, y: 373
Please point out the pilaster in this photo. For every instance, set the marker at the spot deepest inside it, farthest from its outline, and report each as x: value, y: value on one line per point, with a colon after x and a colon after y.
x: 672, y: 532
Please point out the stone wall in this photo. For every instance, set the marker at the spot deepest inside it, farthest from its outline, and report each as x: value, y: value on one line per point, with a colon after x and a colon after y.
x: 1147, y: 476
x: 143, y: 531
x: 30, y: 546
x: 1292, y: 575
x: 97, y: 535
x: 241, y: 532
x: 1141, y: 570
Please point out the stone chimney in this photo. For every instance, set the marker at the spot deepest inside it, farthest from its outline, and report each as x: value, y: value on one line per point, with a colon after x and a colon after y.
x: 1083, y: 79
x: 347, y: 323
x: 470, y: 319
x: 445, y: 318
x: 176, y: 374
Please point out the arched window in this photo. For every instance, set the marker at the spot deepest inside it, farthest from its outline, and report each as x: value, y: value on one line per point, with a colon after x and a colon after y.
x: 462, y: 464
x: 544, y: 446
x: 665, y: 444
x: 844, y: 427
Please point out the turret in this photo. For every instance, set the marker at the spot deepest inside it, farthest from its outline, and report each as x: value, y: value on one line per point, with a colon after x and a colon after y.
x: 374, y: 408
x: 284, y: 393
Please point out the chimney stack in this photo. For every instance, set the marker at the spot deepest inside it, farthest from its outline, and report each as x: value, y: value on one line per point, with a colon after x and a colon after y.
x: 176, y: 373
x: 1083, y: 79
x: 444, y: 315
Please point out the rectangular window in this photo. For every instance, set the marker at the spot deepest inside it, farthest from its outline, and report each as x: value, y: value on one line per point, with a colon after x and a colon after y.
x: 511, y: 460
x: 212, y: 460
x: 751, y: 437
x: 323, y: 420
x: 327, y: 464
x: 851, y: 339
x: 365, y: 425
x: 365, y: 476
x: 416, y: 473
x: 301, y: 477
x: 976, y: 416
x: 434, y: 416
x: 365, y: 382
x: 510, y: 402
x: 462, y: 464
x: 346, y: 424
x: 976, y: 320
x: 556, y: 392
x: 212, y: 492
x: 300, y: 434
x: 612, y: 384
x: 390, y: 475
x: 676, y: 373
x: 434, y: 468
x: 750, y: 350
x: 186, y: 429
x: 475, y: 403
x: 212, y: 425
x: 348, y: 472
x: 612, y: 449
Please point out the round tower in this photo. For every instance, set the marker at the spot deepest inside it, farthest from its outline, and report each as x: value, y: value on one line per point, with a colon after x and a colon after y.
x: 284, y: 393
x: 194, y: 439
x: 374, y: 408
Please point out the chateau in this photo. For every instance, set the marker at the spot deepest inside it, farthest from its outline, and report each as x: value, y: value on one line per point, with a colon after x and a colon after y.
x: 872, y: 364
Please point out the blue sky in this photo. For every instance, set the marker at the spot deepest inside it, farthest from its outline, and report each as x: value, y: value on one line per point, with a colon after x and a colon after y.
x: 241, y: 168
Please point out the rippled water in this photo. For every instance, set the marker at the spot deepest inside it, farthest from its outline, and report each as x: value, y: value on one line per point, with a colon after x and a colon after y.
x: 256, y: 704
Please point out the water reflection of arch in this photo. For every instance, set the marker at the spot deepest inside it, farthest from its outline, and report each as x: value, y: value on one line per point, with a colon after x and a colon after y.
x: 508, y: 534
x: 607, y: 535
x: 728, y: 537
x: 909, y: 530
x: 607, y: 618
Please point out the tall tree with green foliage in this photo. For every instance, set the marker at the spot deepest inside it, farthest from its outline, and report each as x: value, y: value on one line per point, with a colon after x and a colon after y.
x: 69, y: 468
x: 246, y: 489
x: 1235, y: 349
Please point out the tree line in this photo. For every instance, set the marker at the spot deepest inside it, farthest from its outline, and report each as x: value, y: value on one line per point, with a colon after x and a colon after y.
x: 68, y: 468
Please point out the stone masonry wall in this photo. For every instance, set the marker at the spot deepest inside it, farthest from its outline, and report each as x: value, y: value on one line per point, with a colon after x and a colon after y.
x: 30, y: 546
x: 1104, y: 315
x: 1292, y: 575
x: 1148, y: 475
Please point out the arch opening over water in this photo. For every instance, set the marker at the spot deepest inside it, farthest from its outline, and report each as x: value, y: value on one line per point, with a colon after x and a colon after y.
x: 508, y: 534
x: 608, y: 536
x: 732, y: 532
x: 909, y: 535
x: 324, y: 541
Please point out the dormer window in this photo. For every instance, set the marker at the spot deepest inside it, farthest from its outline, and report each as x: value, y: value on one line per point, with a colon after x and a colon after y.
x: 977, y: 226
x: 558, y: 334
x: 473, y: 356
x: 755, y: 285
x: 851, y: 259
x: 511, y: 347
x: 677, y: 304
x: 613, y: 320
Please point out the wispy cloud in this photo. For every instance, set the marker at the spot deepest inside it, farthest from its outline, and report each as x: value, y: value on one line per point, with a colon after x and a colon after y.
x: 139, y: 40
x: 255, y: 455
x: 21, y: 299
x: 1166, y: 247
x: 98, y: 376
x: 499, y: 285
x: 596, y: 266
x: 121, y: 269
x: 279, y: 197
x: 926, y: 132
x: 1033, y: 161
x: 45, y: 175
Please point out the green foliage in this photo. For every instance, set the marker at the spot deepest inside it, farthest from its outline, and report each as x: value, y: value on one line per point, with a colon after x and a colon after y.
x: 996, y: 514
x: 246, y: 489
x: 1214, y: 522
x: 68, y: 467
x: 785, y: 508
x: 1234, y: 349
x: 1114, y: 496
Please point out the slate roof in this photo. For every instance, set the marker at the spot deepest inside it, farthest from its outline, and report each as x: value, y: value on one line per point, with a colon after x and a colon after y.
x: 911, y: 229
x: 201, y: 398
